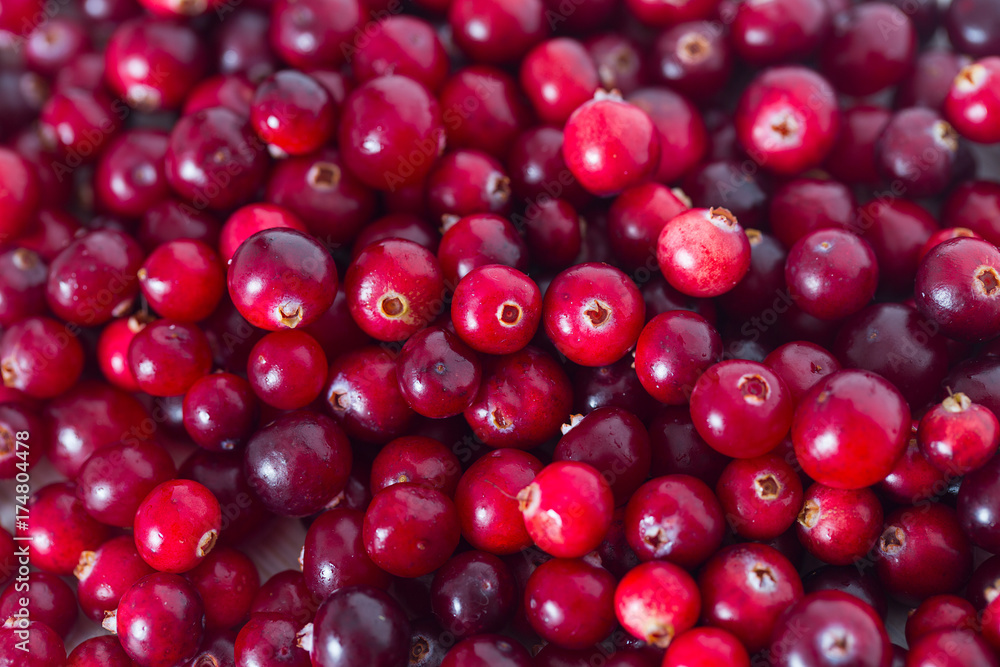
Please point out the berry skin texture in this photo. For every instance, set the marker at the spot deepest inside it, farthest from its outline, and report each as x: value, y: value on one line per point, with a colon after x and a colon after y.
x: 958, y: 287
x: 831, y: 274
x: 287, y: 369
x: 116, y: 478
x: 973, y: 104
x: 410, y: 530
x: 850, y: 429
x: 958, y: 436
x: 282, y: 279
x: 394, y: 288
x: 839, y: 526
x: 672, y: 352
x: 183, y: 280
x: 487, y: 650
x: 21, y: 194
x: 292, y: 112
x: 610, y: 145
x: 360, y: 625
x: 570, y: 602
x: 940, y: 612
x: 177, y: 525
x: 159, y: 621
x: 741, y: 408
x: 40, y: 357
x: 593, y: 314
x: 473, y: 593
x: 761, y: 496
x: 951, y: 648
x: 787, y: 119
x: 567, y: 509
x: 872, y: 47
x: 706, y: 647
x: 656, y: 602
x: 703, y: 252
x: 61, y: 529
x: 167, y: 357
x: 558, y: 76
x: 438, y: 374
x: 250, y: 219
x: 106, y: 573
x: 220, y: 411
x: 496, y: 309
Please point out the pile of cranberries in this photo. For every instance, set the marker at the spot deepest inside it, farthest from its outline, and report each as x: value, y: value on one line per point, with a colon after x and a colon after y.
x: 569, y: 333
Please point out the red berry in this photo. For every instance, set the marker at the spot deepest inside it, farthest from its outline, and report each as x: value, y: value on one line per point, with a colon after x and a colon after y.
x: 657, y: 602
x: 703, y: 252
x: 177, y: 525
x: 567, y: 508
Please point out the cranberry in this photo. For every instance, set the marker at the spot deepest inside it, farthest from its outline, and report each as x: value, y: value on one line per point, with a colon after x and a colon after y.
x: 49, y: 600
x: 839, y: 526
x: 380, y: 118
x: 537, y: 169
x: 153, y: 64
x: 788, y: 119
x: 863, y: 585
x: 287, y: 369
x: 956, y: 287
x: 872, y: 47
x: 47, y: 649
x: 656, y: 602
x: 928, y: 84
x: 919, y: 151
x: 496, y: 32
x: 474, y: 592
x: 334, y: 556
x: 61, y: 529
x: 477, y: 240
x: 801, y: 365
x: 636, y: 219
x: 220, y: 411
x: 972, y: 205
x: 105, y: 574
x: 897, y: 230
x: 360, y: 625
x: 958, y: 436
x: 177, y: 525
x: 706, y: 646
x: 23, y: 276
x: 252, y: 218
x: 593, y: 314
x: 410, y: 530
x: 675, y: 518
x: 52, y: 232
x: 103, y: 651
x: 94, y: 278
x: 315, y: 33
x: 129, y: 177
x: 619, y: 60
x: 522, y: 401
x: 226, y: 581
x: 362, y: 393
x: 678, y: 449
x: 24, y: 436
x: 672, y: 351
x: 973, y: 27
x: 760, y: 496
x: 214, y: 160
x: 183, y: 280
x: 482, y: 108
x: 77, y: 123
x: 465, y: 182
x: 233, y: 92
x: 242, y: 45
x: 951, y: 648
x: 486, y: 650
x: 979, y: 505
x: 116, y: 478
x: 270, y: 639
x: 703, y: 252
x: 496, y: 309
x: 487, y: 506
x: 167, y: 357
x: 922, y: 553
x: 173, y: 220
x: 610, y: 145
x: 292, y: 112
x: 558, y: 76
x: 848, y: 417
x: 298, y: 463
x: 939, y: 612
x: 286, y: 594
x: 830, y: 627
x: 438, y: 374
x: 831, y: 273
x: 159, y: 621
x: 768, y: 33
x: 693, y: 58
x: 403, y: 45
x: 570, y: 602
x: 852, y: 158
x: 744, y: 590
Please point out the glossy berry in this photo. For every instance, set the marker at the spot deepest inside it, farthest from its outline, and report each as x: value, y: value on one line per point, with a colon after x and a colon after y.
x: 567, y: 509
x: 768, y: 33
x: 830, y: 627
x: 394, y: 288
x: 50, y: 601
x: 247, y: 220
x: 40, y: 357
x: 281, y: 279
x: 497, y: 32
x: 636, y: 219
x: 360, y: 625
x: 159, y: 621
x: 610, y: 145
x: 593, y: 314
x: 486, y: 501
x: 177, y: 525
x: 958, y: 287
x: 287, y: 369
x: 405, y: 45
x: 226, y: 581
x: 496, y: 309
x: 657, y: 602
x: 46, y: 648
x: 972, y: 105
x: 220, y: 411
x: 761, y: 497
x: 788, y: 119
x: 22, y: 194
x: 391, y: 132
x: 292, y: 112
x: 129, y: 176
x: 106, y: 573
x: 839, y: 526
x: 703, y: 252
x: 744, y: 590
x: 438, y: 374
x: 115, y: 479
x: 872, y: 47
x: 23, y: 276
x: 958, y: 436
x: 104, y: 650
x: 850, y: 416
x: 920, y: 151
x: 487, y: 650
x: 298, y: 463
x: 706, y: 647
x: 183, y: 280
x: 674, y: 518
x: 801, y: 365
x: 474, y: 592
x: 741, y: 408
x: 558, y: 76
x: 334, y: 557
x: 570, y: 602
x: 286, y: 593
x: 465, y: 182
x: 270, y: 639
x: 831, y: 273
x: 939, y: 612
x: 311, y: 34
x: 410, y: 530
x: 682, y: 132
x: 167, y: 356
x: 60, y: 529
x: 951, y: 648
x: 477, y: 240
x: 672, y: 351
